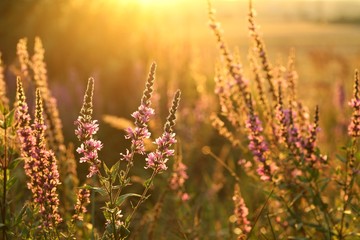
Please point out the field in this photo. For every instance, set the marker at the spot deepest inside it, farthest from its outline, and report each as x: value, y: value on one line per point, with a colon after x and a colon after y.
x: 254, y: 119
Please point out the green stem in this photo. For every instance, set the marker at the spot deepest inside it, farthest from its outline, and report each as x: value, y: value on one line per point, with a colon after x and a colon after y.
x: 112, y: 204
x: 258, y: 216
x: 323, y: 209
x: 4, y: 166
x: 222, y: 163
x: 157, y: 209
x: 128, y: 166
x: 346, y: 188
x: 93, y: 210
x: 141, y: 200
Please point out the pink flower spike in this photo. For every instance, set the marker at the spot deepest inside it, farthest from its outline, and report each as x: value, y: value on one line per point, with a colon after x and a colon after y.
x: 86, y: 129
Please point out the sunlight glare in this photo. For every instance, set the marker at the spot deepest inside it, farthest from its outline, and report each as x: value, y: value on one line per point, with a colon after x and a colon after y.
x: 155, y: 2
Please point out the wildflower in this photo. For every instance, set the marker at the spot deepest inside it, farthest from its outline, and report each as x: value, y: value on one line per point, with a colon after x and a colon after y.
x: 46, y: 175
x: 241, y: 212
x: 354, y: 127
x: 86, y: 129
x: 83, y: 199
x: 40, y: 163
x: 157, y: 160
x: 261, y: 51
x: 310, y: 142
x: 185, y: 197
x: 23, y: 56
x: 142, y: 117
x: 118, y: 220
x: 3, y: 99
x: 22, y: 116
x: 234, y: 68
x: 37, y: 64
x: 258, y: 145
x: 178, y: 178
x: 179, y: 175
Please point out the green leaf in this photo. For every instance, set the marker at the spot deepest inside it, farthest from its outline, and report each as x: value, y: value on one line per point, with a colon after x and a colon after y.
x: 114, y: 170
x: 122, y: 198
x: 10, y: 183
x: 323, y: 183
x: 18, y: 218
x: 107, y: 171
x: 299, y: 195
x: 10, y: 118
x: 303, y: 179
x: 100, y: 190
x: 341, y: 158
x: 147, y: 183
x: 13, y: 163
x: 2, y: 108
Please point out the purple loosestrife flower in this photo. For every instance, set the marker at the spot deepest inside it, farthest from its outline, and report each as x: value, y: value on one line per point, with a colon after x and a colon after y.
x: 234, y: 68
x: 310, y: 142
x: 354, y: 127
x: 286, y: 130
x: 22, y: 116
x: 46, y: 179
x: 178, y: 178
x: 260, y: 49
x: 157, y: 160
x: 295, y: 141
x: 241, y: 212
x: 258, y: 145
x: 40, y: 163
x: 142, y: 117
x: 83, y: 199
x: 86, y: 129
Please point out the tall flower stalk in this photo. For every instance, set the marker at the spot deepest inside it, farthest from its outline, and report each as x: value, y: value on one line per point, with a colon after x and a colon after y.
x: 40, y: 163
x: 157, y: 160
x: 258, y: 146
x: 86, y: 129
x: 142, y: 116
x: 241, y: 213
x: 354, y: 127
x: 351, y: 167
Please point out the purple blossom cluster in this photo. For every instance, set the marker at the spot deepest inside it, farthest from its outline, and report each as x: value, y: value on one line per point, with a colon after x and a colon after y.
x: 178, y: 178
x: 142, y: 116
x: 258, y: 146
x: 22, y: 116
x: 287, y: 131
x: 157, y: 160
x: 86, y: 129
x: 241, y: 211
x: 354, y: 126
x: 83, y: 199
x: 40, y: 163
x: 140, y: 132
x: 309, y: 144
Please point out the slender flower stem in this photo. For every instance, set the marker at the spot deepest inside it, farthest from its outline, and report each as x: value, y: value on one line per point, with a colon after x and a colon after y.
x: 258, y: 216
x: 93, y: 210
x: 207, y: 151
x: 347, y: 187
x: 128, y: 167
x: 112, y: 204
x: 4, y: 166
x: 142, y: 198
